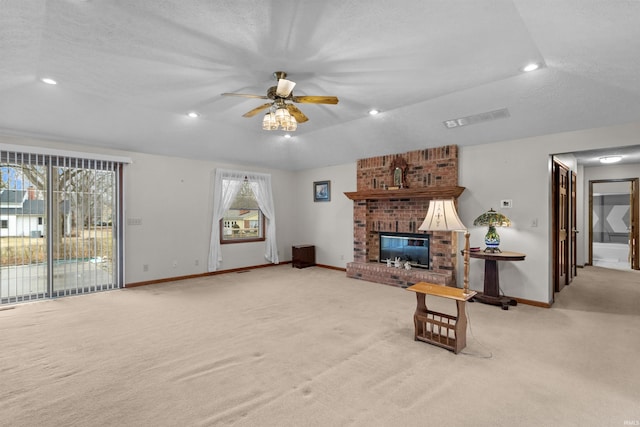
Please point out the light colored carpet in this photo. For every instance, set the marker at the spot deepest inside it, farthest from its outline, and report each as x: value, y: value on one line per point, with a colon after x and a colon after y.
x: 287, y: 347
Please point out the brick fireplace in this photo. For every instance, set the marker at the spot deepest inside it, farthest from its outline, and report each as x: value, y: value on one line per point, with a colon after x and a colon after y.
x: 388, y: 200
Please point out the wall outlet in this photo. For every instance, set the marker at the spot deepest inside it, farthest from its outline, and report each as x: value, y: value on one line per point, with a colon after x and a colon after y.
x: 534, y: 222
x: 197, y: 262
x: 134, y: 221
x: 145, y: 267
x: 506, y: 203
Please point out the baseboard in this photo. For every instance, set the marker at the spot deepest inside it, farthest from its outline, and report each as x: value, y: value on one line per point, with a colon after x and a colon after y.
x: 532, y: 302
x: 195, y: 276
x: 213, y: 273
x: 331, y: 267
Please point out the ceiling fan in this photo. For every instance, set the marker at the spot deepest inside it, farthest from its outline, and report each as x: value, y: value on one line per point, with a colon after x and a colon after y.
x: 282, y: 113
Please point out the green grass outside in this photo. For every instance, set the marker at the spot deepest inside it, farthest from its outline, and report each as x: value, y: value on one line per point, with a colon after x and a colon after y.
x: 85, y: 244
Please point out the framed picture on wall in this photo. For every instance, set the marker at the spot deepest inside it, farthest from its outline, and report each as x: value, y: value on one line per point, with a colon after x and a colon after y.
x: 322, y: 191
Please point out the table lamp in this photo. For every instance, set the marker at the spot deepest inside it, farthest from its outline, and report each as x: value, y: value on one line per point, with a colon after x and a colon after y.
x: 492, y: 219
x: 442, y: 216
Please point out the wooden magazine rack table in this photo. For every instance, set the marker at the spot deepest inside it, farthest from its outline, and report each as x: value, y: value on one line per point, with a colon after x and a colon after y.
x: 443, y: 330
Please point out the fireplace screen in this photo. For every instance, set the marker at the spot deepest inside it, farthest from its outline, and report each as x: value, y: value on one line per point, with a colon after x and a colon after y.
x: 408, y: 247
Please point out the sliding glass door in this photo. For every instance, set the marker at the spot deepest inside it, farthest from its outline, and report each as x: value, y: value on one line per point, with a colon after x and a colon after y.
x: 23, y: 247
x: 61, y: 222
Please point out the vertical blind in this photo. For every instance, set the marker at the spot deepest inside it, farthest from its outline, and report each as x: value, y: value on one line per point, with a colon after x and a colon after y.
x: 61, y: 220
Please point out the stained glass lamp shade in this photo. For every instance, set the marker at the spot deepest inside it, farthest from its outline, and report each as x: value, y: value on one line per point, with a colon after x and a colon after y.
x: 492, y: 219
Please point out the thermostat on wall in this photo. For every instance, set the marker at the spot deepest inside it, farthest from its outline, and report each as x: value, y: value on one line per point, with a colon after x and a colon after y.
x: 506, y: 203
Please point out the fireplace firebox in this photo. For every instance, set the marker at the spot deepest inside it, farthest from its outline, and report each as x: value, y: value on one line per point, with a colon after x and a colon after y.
x: 410, y: 247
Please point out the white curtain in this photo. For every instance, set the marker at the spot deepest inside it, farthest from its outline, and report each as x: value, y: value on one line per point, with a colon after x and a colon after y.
x: 226, y: 185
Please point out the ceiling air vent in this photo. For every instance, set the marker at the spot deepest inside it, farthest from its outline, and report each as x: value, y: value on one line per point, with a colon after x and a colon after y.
x: 477, y: 118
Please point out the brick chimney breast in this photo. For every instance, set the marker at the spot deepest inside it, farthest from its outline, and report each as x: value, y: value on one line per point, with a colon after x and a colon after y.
x: 428, y: 168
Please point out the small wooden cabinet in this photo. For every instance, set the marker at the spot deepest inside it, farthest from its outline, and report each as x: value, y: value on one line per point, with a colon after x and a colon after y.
x: 303, y: 256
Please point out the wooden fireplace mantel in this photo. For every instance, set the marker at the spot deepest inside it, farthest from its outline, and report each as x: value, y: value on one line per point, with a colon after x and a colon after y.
x: 444, y: 192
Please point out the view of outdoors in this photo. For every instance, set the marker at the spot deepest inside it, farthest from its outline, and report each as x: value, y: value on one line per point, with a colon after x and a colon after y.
x: 243, y: 220
x: 56, y: 227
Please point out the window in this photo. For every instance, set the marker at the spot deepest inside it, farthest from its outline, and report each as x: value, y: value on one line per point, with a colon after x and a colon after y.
x: 243, y: 221
x: 4, y: 223
x: 227, y: 185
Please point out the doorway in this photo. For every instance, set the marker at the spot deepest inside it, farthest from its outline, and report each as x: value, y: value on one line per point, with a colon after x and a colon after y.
x: 613, y: 223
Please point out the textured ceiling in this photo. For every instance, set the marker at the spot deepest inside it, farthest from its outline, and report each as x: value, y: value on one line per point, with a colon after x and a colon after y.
x: 129, y: 71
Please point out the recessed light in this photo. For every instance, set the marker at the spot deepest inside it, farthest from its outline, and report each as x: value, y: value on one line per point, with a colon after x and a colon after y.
x: 193, y: 114
x: 531, y: 67
x: 610, y: 159
x: 287, y: 135
x: 48, y: 81
x: 373, y: 112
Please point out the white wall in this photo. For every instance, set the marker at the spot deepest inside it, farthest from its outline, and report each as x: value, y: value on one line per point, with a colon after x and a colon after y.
x: 173, y: 199
x: 517, y: 171
x: 12, y: 227
x: 327, y: 225
x: 614, y: 187
x: 28, y: 224
x: 520, y: 170
x: 623, y: 171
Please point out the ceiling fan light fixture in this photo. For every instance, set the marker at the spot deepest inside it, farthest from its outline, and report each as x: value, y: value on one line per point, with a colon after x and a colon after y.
x: 269, y: 121
x: 279, y: 119
x: 282, y: 115
x: 285, y: 120
x: 291, y: 125
x: 284, y: 88
x: 282, y: 111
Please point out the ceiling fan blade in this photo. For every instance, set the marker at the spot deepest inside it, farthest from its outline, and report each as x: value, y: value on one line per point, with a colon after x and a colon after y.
x: 284, y: 88
x: 257, y: 110
x: 295, y: 112
x: 315, y: 99
x: 244, y: 95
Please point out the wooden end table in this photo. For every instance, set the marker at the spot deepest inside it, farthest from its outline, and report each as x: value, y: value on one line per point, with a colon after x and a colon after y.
x: 491, y: 294
x: 443, y: 330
